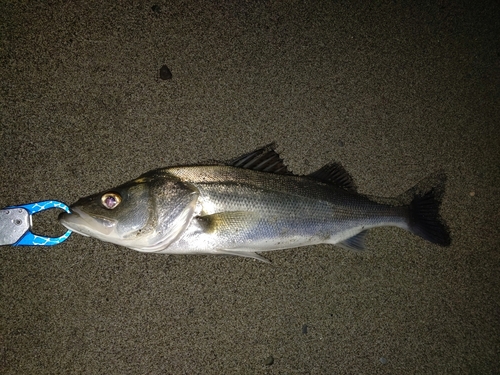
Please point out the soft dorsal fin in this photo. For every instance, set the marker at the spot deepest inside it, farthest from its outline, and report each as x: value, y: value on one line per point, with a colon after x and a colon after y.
x: 334, y: 173
x: 265, y: 159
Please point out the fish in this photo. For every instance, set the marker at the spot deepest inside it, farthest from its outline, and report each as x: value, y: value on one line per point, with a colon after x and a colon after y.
x: 248, y: 205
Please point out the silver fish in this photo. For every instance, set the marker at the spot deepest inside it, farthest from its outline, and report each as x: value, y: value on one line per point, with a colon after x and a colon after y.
x: 249, y: 205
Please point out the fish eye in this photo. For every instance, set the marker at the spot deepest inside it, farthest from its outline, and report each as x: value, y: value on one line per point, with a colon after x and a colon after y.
x: 110, y: 200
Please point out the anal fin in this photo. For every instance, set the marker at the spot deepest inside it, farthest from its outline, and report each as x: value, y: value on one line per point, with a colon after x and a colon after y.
x: 356, y: 242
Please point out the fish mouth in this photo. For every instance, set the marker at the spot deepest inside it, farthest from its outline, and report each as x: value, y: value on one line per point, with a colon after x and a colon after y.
x: 82, y: 223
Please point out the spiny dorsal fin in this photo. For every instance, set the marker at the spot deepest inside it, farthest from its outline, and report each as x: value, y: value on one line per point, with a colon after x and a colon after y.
x: 265, y: 159
x: 334, y: 173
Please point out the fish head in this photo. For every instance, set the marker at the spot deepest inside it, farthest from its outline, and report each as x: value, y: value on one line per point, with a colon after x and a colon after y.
x: 114, y: 215
x: 145, y: 214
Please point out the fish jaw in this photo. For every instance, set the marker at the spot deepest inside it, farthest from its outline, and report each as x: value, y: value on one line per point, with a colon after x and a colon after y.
x: 80, y: 222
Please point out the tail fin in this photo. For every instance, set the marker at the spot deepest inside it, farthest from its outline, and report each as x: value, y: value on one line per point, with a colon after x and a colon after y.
x: 425, y: 220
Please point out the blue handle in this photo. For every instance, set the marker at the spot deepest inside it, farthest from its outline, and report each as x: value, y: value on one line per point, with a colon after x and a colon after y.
x: 31, y: 239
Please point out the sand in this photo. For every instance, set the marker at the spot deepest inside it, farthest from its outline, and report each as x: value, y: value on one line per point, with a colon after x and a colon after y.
x: 393, y: 91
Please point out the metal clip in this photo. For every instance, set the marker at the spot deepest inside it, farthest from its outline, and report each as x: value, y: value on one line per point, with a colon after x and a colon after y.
x: 16, y: 223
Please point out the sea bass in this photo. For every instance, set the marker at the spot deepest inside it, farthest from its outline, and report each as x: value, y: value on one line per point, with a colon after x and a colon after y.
x: 249, y: 205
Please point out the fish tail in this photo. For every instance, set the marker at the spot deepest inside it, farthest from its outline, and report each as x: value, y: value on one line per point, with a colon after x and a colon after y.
x: 424, y: 217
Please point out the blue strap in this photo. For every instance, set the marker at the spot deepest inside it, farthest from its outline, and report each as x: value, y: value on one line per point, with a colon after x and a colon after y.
x: 31, y: 239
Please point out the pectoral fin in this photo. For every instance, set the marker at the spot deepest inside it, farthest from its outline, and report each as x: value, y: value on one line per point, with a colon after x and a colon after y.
x: 233, y: 221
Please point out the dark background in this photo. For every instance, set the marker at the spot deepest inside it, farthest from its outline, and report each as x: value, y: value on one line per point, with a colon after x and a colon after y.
x: 393, y: 91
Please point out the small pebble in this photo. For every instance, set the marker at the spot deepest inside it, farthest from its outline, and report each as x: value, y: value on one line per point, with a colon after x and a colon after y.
x: 383, y: 360
x: 304, y: 329
x: 472, y: 193
x: 165, y: 73
x: 269, y: 360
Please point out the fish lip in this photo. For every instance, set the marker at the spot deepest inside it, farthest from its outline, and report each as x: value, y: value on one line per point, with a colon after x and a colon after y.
x: 82, y: 223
